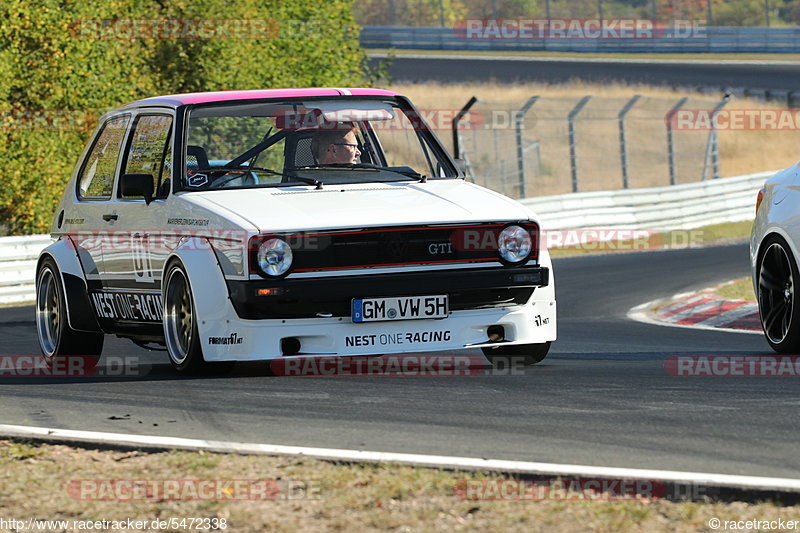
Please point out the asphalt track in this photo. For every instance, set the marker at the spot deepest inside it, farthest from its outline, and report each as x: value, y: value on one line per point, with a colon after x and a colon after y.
x: 758, y: 75
x: 601, y: 398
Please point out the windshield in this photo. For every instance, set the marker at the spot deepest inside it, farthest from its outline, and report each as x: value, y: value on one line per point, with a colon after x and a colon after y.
x: 309, y: 142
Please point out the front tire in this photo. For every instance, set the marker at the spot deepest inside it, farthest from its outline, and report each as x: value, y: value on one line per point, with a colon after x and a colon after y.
x: 180, y: 322
x: 57, y: 340
x: 778, y: 304
x: 527, y: 354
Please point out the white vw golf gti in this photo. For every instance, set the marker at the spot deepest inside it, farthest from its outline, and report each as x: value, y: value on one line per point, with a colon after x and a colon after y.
x: 271, y: 224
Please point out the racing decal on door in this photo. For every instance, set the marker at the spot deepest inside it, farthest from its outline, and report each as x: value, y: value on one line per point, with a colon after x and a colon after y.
x: 122, y: 305
x: 142, y: 265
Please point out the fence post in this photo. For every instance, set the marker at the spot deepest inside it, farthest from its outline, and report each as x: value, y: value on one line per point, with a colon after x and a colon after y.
x: 520, y: 154
x: 623, y: 146
x: 573, y: 156
x: 458, y: 117
x: 670, y: 144
x: 712, y: 145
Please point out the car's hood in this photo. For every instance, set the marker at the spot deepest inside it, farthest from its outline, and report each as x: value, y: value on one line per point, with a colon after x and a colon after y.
x: 363, y: 205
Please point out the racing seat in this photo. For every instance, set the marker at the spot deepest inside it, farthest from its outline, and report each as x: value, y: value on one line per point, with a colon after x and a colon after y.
x: 298, y: 150
x: 196, y: 157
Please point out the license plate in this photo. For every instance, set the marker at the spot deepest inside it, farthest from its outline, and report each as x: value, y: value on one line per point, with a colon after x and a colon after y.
x: 400, y: 308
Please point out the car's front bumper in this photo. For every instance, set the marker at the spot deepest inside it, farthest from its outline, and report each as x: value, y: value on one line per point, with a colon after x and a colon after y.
x: 331, y: 296
x: 532, y: 323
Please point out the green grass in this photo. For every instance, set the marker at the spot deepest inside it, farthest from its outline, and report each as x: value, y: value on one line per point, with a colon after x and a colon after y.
x: 18, y: 451
x: 593, y: 55
x: 715, y: 235
x: 740, y: 289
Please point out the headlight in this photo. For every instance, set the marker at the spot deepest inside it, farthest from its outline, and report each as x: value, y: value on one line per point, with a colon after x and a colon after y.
x: 274, y: 257
x: 514, y: 244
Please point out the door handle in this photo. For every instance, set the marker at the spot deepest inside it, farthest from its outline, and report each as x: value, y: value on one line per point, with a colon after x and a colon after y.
x: 109, y: 218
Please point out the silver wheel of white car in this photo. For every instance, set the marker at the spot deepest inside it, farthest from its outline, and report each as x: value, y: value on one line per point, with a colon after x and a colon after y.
x: 48, y: 312
x: 180, y: 323
x: 777, y: 302
x: 56, y: 338
x: 180, y: 326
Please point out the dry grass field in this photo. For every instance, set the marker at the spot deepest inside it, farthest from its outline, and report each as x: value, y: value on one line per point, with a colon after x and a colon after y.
x: 55, y: 482
x: 491, y: 146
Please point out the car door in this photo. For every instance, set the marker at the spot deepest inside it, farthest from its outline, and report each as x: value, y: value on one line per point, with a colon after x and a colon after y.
x: 88, y: 219
x: 134, y: 254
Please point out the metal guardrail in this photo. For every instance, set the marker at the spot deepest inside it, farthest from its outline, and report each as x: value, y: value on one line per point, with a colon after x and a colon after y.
x: 672, y: 207
x: 713, y: 39
x: 18, y: 267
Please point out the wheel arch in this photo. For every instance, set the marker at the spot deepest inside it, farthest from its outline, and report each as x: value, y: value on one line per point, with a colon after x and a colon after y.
x: 774, y: 231
x: 80, y: 312
x: 210, y: 293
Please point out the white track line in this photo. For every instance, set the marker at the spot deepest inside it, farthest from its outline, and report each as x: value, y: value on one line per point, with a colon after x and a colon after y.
x: 640, y: 314
x: 435, y: 461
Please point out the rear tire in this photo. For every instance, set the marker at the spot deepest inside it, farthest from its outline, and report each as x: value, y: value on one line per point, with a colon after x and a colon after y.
x: 526, y: 354
x: 778, y: 303
x: 57, y: 340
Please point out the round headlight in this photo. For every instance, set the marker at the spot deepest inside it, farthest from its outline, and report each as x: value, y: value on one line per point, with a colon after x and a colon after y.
x: 514, y: 244
x: 274, y: 257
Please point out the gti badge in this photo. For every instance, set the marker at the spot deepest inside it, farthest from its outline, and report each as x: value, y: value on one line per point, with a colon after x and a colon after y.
x: 440, y: 248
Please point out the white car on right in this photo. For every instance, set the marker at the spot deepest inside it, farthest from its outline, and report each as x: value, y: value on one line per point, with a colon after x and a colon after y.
x: 774, y: 257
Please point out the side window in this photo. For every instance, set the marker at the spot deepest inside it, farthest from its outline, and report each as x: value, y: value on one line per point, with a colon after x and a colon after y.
x: 149, y: 150
x: 97, y: 175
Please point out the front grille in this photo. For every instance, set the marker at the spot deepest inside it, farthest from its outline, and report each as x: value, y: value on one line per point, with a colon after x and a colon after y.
x: 337, y: 250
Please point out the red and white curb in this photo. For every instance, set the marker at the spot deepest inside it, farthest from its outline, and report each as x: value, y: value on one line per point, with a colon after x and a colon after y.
x: 703, y: 310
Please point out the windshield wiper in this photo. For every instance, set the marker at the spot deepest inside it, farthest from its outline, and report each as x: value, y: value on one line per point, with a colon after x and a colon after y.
x: 369, y: 166
x: 310, y: 181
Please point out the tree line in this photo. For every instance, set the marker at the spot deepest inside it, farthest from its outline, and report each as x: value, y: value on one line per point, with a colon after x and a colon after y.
x: 63, y: 63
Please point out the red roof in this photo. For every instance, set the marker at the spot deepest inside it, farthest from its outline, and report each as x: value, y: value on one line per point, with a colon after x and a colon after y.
x: 260, y: 94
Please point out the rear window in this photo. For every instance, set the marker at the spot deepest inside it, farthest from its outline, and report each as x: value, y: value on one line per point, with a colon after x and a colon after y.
x: 97, y: 175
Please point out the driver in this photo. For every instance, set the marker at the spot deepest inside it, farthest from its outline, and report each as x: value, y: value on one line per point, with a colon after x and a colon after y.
x: 336, y: 146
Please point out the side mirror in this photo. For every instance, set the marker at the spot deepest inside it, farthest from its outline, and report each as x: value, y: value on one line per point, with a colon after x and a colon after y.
x: 461, y: 165
x: 140, y: 185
